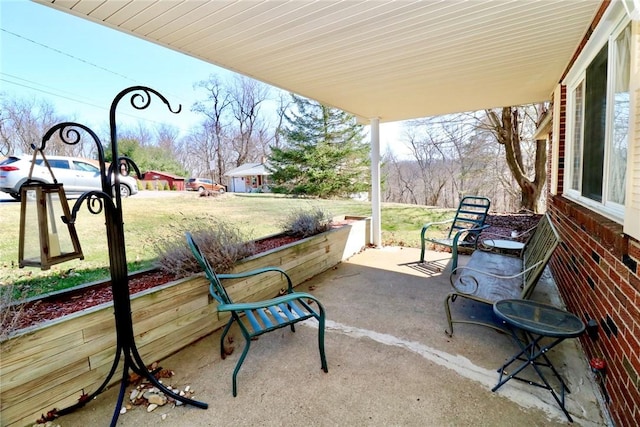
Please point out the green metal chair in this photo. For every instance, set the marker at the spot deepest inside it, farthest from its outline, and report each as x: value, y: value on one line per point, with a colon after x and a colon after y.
x: 262, y: 316
x: 466, y: 225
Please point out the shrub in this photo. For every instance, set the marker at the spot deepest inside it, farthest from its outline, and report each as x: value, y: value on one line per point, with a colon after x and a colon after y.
x: 10, y: 310
x: 149, y: 185
x: 222, y: 244
x: 303, y: 223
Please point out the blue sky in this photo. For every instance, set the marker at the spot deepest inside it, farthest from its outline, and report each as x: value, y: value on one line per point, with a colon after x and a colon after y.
x: 79, y: 67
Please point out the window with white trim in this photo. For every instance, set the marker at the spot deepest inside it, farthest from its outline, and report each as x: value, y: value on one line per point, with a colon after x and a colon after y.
x: 598, y: 124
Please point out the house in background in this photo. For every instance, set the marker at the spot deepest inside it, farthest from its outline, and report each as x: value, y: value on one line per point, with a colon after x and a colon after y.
x: 249, y: 178
x: 157, y: 180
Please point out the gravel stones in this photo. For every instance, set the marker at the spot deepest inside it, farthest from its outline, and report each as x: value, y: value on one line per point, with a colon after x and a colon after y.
x: 147, y: 395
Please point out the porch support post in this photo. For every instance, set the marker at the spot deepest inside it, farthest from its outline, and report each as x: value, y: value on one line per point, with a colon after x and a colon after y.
x: 376, y: 233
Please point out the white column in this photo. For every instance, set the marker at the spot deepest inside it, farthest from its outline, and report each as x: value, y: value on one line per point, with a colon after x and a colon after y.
x: 376, y: 229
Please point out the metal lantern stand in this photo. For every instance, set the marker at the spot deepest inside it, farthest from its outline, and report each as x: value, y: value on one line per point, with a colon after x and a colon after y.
x: 110, y: 202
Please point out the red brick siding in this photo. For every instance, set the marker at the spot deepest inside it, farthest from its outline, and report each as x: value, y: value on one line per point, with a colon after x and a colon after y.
x: 596, y: 269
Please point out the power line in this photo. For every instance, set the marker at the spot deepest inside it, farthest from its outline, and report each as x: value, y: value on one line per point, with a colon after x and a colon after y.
x: 81, y: 102
x: 68, y: 54
x: 44, y: 91
x: 75, y: 57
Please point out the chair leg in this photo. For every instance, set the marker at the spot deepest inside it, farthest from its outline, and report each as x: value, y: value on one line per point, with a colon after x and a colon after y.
x: 247, y: 340
x: 447, y: 309
x: 223, y: 336
x: 323, y: 358
x: 422, y: 248
x: 454, y: 259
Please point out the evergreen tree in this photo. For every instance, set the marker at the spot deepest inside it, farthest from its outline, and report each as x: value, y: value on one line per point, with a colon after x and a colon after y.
x: 323, y: 154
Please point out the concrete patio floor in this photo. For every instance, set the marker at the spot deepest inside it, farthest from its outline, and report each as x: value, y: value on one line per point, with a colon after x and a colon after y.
x: 390, y: 363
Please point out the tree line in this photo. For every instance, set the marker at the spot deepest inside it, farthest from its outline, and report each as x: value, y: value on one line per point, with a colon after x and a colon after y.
x: 491, y: 153
x: 321, y: 151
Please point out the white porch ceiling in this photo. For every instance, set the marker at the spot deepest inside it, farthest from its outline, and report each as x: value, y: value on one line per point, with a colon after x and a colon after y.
x: 391, y: 59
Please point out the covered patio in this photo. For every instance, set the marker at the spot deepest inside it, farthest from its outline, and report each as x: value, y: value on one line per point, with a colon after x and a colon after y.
x: 386, y: 61
x: 381, y: 61
x: 390, y: 362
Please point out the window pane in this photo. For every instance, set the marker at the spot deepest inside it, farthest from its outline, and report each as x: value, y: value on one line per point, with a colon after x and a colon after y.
x: 576, y: 150
x: 618, y: 150
x: 595, y: 124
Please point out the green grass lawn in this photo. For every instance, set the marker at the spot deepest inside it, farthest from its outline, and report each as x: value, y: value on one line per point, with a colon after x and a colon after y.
x: 150, y: 221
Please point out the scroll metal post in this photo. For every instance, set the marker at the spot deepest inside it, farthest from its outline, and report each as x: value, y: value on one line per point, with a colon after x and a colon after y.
x: 110, y: 203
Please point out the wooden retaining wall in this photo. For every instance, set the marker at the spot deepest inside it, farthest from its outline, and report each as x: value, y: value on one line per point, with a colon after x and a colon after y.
x: 52, y: 365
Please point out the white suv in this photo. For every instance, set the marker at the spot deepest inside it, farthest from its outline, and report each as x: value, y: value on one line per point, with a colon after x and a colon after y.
x: 77, y: 175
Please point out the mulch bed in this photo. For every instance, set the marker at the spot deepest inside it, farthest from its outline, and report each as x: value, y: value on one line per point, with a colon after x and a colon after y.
x: 51, y: 308
x: 40, y: 311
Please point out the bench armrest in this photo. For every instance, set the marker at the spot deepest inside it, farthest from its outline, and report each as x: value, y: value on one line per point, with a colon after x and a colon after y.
x: 472, y: 281
x: 513, y: 236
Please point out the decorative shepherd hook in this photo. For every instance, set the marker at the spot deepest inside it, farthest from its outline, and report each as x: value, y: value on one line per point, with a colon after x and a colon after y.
x: 97, y: 201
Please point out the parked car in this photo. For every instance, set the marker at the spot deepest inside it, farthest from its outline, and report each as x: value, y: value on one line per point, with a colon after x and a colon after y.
x: 201, y: 184
x: 77, y: 175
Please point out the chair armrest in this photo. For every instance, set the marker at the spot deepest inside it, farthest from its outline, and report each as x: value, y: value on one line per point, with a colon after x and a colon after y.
x: 465, y: 231
x: 429, y: 224
x: 242, y: 306
x: 256, y: 272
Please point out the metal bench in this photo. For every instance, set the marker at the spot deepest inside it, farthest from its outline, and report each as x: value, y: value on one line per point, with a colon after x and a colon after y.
x: 489, y: 277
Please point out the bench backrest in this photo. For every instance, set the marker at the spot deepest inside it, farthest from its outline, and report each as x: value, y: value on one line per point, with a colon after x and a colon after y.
x: 537, y: 252
x: 472, y: 212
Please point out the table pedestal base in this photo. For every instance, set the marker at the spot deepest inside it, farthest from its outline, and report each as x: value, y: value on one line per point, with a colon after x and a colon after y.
x: 530, y: 354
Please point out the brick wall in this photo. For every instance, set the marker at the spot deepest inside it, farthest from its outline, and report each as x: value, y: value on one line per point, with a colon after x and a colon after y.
x: 597, y: 271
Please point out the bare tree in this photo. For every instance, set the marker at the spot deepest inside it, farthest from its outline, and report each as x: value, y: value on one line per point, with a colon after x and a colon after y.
x: 167, y: 137
x: 249, y: 140
x: 214, y: 137
x: 284, y: 101
x: 200, y: 147
x: 429, y: 159
x: 399, y: 180
x: 450, y: 158
x: 24, y: 121
x: 513, y: 128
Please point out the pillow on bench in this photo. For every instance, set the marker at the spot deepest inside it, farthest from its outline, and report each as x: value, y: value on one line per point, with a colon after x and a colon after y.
x: 474, y: 280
